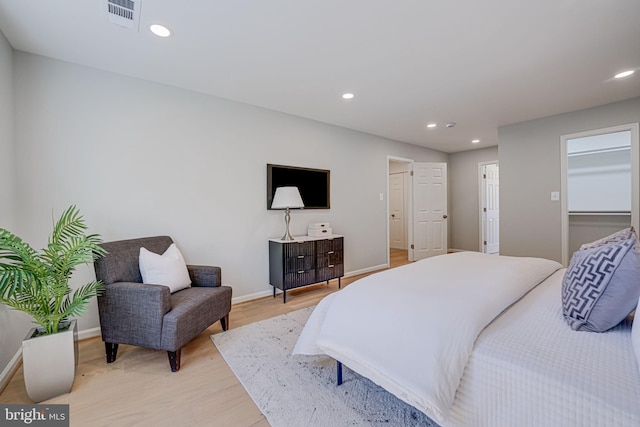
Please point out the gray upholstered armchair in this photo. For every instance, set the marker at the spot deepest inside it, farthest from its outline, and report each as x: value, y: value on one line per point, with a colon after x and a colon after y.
x: 149, y: 315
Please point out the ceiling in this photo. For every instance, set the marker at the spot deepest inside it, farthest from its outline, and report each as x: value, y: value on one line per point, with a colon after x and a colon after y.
x: 480, y: 64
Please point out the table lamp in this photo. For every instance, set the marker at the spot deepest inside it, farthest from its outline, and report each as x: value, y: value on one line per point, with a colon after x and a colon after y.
x: 286, y: 198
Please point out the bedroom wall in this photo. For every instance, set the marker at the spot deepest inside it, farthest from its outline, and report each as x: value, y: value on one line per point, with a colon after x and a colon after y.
x: 140, y: 159
x: 530, y: 223
x: 464, y: 198
x: 6, y: 134
x: 14, y: 323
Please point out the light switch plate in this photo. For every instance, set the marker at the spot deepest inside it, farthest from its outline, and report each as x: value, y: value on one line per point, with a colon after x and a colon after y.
x: 555, y: 196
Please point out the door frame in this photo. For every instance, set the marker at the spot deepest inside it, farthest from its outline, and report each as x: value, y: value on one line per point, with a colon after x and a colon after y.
x: 401, y: 177
x: 409, y: 215
x: 481, y: 200
x: 635, y: 178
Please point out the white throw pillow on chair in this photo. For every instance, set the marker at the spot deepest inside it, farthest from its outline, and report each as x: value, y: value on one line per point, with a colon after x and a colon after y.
x: 168, y: 269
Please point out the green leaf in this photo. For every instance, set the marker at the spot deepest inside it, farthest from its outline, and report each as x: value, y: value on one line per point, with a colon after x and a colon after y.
x: 38, y: 283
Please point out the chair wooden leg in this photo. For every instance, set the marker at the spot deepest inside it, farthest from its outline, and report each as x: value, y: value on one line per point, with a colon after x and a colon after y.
x: 174, y: 359
x: 111, y: 350
x: 224, y: 322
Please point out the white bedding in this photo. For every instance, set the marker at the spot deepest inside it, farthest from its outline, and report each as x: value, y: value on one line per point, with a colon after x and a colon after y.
x: 411, y: 330
x: 528, y: 368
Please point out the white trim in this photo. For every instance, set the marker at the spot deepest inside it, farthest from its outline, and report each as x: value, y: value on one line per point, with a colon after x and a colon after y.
x: 251, y: 297
x: 269, y: 292
x: 10, y: 370
x: 89, y: 333
x: 481, y: 201
x: 367, y: 270
x: 16, y: 360
x: 635, y: 179
x: 409, y: 216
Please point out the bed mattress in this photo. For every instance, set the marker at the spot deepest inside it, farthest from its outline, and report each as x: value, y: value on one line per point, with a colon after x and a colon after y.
x: 528, y: 368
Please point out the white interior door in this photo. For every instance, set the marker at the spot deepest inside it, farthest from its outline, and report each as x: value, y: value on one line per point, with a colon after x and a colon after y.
x: 491, y: 209
x: 397, y: 215
x: 429, y: 210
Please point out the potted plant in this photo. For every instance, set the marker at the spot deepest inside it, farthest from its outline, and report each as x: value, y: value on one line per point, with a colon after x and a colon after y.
x: 37, y: 283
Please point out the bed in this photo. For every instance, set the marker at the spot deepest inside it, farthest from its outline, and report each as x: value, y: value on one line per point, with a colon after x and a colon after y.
x: 479, y: 340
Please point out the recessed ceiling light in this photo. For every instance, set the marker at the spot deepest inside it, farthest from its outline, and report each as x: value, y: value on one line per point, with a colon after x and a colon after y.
x: 347, y: 96
x: 431, y: 125
x: 623, y: 74
x: 160, y: 30
x: 475, y: 141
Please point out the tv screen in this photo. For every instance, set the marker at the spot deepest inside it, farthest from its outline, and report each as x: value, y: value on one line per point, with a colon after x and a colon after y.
x: 314, y: 184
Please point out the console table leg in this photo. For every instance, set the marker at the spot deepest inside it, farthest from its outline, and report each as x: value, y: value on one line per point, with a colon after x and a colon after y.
x: 284, y: 296
x: 339, y: 283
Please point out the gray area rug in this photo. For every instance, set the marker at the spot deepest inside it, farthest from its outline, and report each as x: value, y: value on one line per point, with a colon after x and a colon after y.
x: 301, y: 390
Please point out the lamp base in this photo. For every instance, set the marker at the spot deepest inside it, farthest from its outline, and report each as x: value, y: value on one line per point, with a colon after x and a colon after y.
x: 287, y: 218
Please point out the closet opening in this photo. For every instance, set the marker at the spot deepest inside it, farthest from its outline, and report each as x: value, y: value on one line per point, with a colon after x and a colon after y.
x: 599, y: 185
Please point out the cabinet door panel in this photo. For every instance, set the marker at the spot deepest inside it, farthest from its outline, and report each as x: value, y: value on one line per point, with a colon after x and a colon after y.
x: 330, y: 272
x: 301, y: 262
x: 329, y: 258
x: 293, y: 250
x: 299, y: 278
x: 328, y: 245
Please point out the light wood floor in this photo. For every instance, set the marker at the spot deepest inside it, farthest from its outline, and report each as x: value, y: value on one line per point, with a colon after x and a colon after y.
x: 139, y: 389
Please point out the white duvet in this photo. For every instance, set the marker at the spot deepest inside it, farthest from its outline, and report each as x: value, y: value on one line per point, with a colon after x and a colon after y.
x: 412, y: 329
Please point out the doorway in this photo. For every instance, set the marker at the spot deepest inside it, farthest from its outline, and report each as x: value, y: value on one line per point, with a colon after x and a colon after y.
x: 599, y: 184
x: 398, y: 209
x: 489, y: 196
x: 419, y: 207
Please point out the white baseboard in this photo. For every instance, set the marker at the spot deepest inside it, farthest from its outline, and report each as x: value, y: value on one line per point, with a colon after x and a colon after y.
x: 269, y: 292
x: 366, y: 270
x: 10, y: 370
x: 15, y: 362
x: 251, y: 297
x: 89, y: 333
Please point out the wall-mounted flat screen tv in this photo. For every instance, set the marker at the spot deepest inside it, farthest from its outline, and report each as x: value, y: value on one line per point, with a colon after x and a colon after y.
x: 314, y: 184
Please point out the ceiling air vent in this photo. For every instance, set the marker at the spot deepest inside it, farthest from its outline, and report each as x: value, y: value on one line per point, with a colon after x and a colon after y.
x: 124, y: 12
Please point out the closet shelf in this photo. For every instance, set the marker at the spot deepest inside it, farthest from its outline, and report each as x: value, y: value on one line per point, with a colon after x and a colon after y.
x: 593, y: 213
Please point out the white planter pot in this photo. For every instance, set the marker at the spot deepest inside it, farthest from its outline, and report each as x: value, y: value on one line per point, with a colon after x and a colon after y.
x: 49, y: 363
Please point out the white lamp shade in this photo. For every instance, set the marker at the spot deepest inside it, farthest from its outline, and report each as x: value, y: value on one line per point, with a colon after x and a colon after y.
x: 287, y: 197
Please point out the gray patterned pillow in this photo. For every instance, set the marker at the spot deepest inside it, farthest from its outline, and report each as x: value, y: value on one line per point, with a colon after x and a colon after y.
x: 618, y: 236
x: 635, y: 336
x: 601, y: 286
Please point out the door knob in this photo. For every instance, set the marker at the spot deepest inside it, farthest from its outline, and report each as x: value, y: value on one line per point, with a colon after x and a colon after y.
x: 444, y: 216
x: 393, y: 215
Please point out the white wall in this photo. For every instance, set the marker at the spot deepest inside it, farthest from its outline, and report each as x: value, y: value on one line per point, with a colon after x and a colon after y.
x: 6, y: 135
x: 141, y: 159
x: 464, y: 199
x: 530, y: 223
x: 14, y: 324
